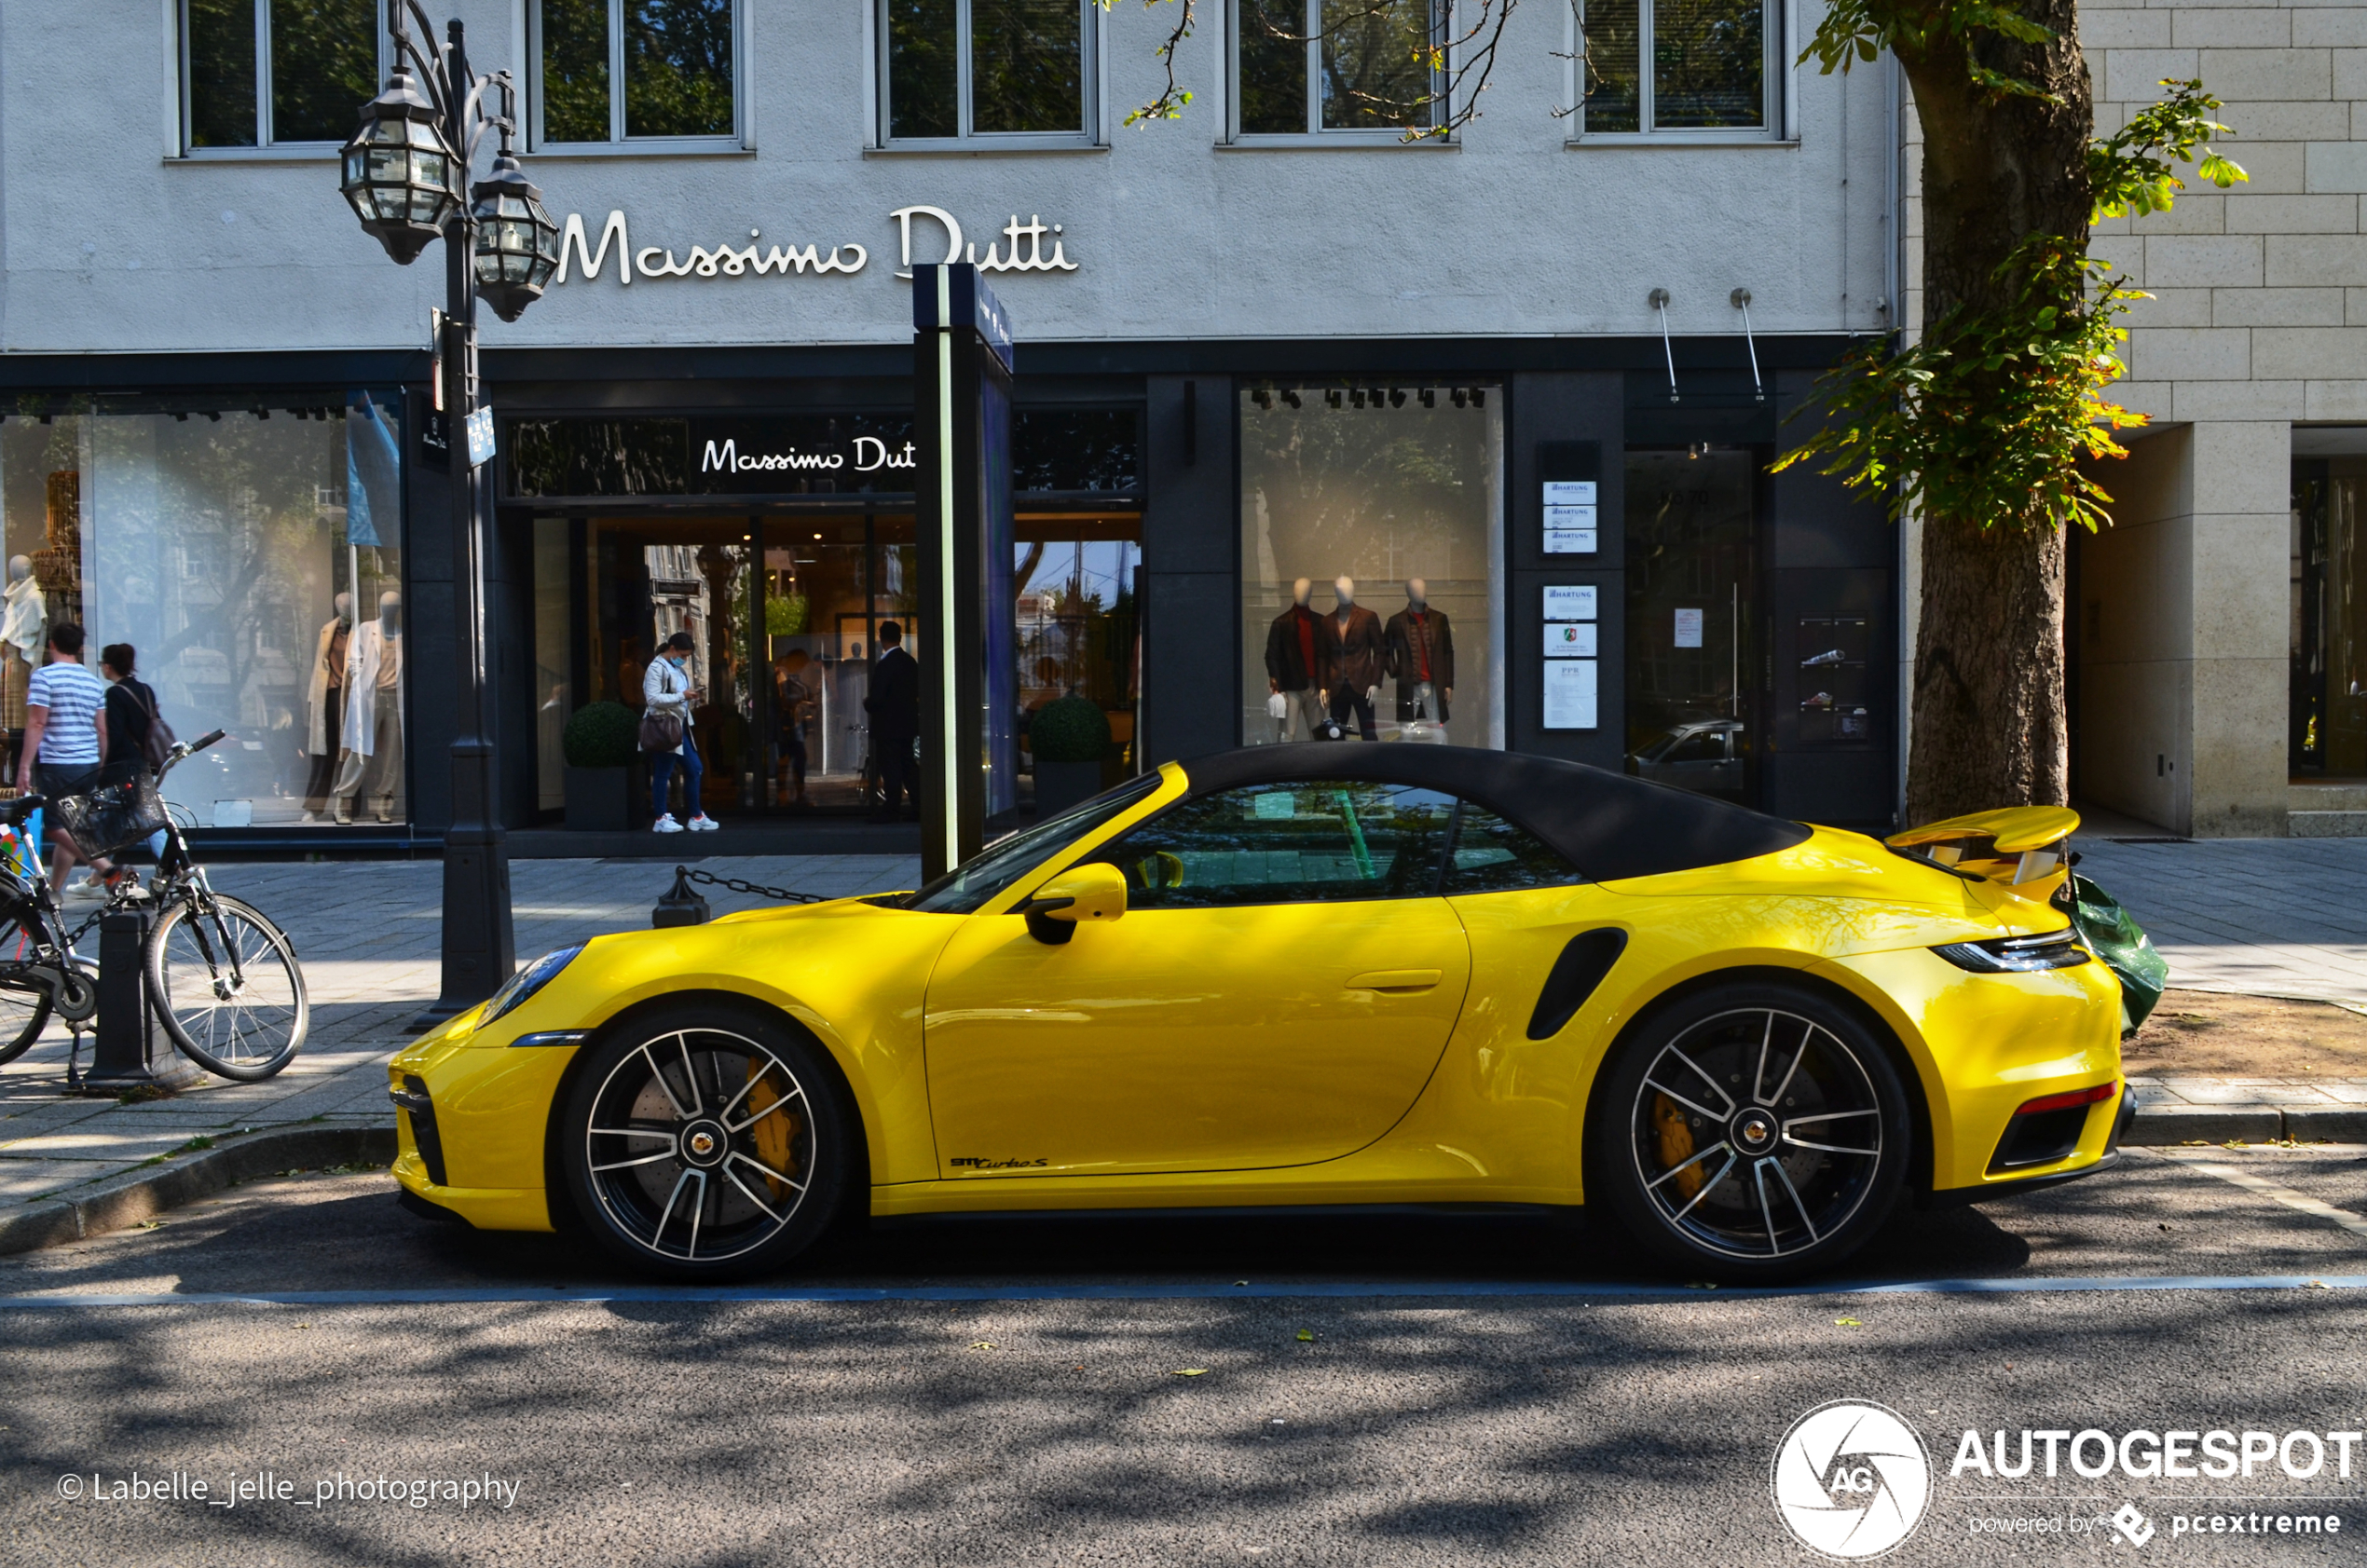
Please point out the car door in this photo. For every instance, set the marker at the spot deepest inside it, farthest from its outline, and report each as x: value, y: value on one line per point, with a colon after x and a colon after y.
x: 1278, y: 992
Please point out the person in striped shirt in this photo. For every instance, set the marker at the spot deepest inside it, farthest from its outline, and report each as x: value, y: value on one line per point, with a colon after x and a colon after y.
x: 65, y: 740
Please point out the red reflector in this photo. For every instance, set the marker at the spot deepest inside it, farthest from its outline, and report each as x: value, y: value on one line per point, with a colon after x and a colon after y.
x: 2066, y: 1100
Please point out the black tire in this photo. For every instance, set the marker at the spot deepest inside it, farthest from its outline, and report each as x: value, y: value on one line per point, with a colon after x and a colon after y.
x: 664, y: 1111
x: 244, y: 1021
x: 1787, y: 1109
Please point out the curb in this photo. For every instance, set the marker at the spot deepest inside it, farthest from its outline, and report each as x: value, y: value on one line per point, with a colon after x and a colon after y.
x: 126, y: 1200
x: 2166, y: 1125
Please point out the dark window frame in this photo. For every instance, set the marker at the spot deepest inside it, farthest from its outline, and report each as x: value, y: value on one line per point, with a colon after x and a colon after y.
x: 266, y: 144
x: 1088, y: 136
x: 621, y: 140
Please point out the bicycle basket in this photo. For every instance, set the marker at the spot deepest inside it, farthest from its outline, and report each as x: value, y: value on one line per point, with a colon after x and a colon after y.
x: 107, y: 819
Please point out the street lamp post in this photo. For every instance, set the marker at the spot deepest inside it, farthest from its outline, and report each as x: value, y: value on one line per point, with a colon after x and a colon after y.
x: 404, y: 172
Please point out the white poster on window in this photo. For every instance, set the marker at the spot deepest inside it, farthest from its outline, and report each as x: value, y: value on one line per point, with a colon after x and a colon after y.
x: 1689, y: 628
x: 1572, y: 602
x: 1569, y: 693
x: 1570, y: 639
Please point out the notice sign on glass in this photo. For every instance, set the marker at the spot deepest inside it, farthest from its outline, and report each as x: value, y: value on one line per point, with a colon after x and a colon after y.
x: 1689, y: 628
x: 1569, y: 693
x: 1569, y: 517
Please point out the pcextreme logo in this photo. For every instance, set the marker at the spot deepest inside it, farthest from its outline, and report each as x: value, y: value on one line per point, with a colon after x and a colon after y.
x: 1851, y: 1479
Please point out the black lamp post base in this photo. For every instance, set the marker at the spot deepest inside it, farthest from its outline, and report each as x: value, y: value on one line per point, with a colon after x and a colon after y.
x: 480, y: 948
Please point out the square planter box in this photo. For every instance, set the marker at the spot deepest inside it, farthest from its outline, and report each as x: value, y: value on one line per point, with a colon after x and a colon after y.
x: 1060, y: 786
x: 597, y: 800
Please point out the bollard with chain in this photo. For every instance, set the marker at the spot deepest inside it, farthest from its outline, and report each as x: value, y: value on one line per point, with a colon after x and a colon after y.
x: 683, y: 906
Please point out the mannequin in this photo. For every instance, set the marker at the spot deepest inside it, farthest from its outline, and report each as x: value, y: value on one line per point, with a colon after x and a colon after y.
x: 325, y: 704
x: 1421, y: 652
x: 24, y: 629
x: 1295, y: 666
x: 1354, y: 655
x: 371, y: 765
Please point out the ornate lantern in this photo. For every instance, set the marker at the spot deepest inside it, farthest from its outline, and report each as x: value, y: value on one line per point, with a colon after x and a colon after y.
x: 397, y: 171
x: 517, y: 245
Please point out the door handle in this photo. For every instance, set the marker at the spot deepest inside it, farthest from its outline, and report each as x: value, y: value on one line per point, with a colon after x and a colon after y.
x: 1394, y: 980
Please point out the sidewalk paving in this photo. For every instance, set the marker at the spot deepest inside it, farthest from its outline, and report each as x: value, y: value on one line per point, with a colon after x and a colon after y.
x: 2266, y: 917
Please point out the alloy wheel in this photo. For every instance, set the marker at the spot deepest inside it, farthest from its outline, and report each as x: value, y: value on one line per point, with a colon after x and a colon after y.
x: 1757, y: 1133
x: 700, y: 1146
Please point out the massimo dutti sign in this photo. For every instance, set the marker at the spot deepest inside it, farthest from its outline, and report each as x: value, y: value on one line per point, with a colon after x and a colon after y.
x: 711, y: 455
x: 1033, y: 246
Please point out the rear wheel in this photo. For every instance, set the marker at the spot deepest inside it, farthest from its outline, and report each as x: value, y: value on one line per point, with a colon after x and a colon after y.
x: 706, y: 1144
x: 1752, y: 1133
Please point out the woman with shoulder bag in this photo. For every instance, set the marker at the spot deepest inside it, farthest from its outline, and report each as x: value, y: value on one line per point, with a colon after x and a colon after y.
x: 134, y: 726
x: 666, y: 695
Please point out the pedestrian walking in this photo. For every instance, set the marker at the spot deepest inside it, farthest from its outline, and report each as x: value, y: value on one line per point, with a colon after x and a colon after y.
x: 894, y: 707
x: 137, y: 734
x: 64, y: 743
x: 666, y: 691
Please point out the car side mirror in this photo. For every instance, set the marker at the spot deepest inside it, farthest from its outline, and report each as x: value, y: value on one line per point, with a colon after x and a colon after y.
x: 1080, y: 893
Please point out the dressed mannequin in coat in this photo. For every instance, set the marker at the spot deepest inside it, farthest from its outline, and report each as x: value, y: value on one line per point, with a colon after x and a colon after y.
x: 1421, y: 649
x: 1355, y: 654
x: 324, y: 705
x: 1294, y: 664
x: 24, y: 637
x: 371, y: 766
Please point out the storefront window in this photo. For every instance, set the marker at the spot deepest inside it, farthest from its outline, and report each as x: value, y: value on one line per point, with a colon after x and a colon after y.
x: 252, y: 557
x: 1375, y: 509
x: 1076, y: 625
x: 2329, y: 639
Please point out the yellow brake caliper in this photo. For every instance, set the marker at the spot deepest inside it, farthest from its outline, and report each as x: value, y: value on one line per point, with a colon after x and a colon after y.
x: 772, y: 1133
x: 1677, y: 1144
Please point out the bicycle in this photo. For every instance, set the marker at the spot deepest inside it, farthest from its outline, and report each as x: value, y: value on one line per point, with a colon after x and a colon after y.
x: 222, y: 979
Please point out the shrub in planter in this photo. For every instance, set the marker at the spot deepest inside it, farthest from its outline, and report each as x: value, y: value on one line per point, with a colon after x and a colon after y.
x: 1068, y: 736
x: 601, y: 735
x: 600, y: 742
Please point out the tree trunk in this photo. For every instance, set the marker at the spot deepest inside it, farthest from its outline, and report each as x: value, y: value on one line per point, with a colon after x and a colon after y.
x: 1989, y: 714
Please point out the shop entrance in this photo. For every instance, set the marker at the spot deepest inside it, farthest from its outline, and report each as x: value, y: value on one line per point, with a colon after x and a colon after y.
x: 1691, y: 607
x: 785, y: 614
x: 785, y: 611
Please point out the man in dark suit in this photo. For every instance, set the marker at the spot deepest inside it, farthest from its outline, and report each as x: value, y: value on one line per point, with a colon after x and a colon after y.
x: 1355, y: 653
x: 894, y: 707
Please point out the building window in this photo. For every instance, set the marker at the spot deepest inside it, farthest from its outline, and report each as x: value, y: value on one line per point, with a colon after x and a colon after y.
x: 1373, y: 507
x: 251, y: 551
x: 615, y: 71
x: 275, y: 73
x: 961, y: 70
x: 1327, y: 67
x: 1710, y: 67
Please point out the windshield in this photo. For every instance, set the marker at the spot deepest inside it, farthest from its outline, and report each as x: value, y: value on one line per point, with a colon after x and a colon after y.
x: 961, y: 891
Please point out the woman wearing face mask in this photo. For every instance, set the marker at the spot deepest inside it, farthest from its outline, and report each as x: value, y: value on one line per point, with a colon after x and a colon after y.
x: 665, y: 688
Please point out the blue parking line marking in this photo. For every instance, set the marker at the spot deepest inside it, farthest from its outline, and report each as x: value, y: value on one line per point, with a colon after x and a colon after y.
x: 512, y: 1295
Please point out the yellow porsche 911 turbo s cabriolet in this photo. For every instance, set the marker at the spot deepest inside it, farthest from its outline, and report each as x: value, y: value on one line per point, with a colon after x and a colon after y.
x: 1313, y: 975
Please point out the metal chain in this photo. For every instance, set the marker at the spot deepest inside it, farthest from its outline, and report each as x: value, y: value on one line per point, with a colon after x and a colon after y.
x: 735, y: 885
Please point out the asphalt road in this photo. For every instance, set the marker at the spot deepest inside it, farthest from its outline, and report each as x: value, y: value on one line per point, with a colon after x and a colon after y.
x: 1627, y: 1419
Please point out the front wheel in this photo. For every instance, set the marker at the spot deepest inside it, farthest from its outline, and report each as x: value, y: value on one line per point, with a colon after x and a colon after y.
x: 224, y: 984
x: 1752, y: 1133
x: 706, y: 1143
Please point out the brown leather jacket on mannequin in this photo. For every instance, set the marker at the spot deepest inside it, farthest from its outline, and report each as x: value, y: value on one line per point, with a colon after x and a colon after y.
x: 1357, y: 657
x: 1408, y: 638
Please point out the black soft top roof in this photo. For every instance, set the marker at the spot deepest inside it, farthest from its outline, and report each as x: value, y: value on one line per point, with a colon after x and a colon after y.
x: 1608, y: 824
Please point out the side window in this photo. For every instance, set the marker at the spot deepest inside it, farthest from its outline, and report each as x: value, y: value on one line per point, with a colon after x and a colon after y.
x: 1494, y: 855
x: 1709, y: 745
x: 1287, y: 843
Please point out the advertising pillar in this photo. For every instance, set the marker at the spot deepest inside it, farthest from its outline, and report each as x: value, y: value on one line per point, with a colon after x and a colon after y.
x: 961, y: 371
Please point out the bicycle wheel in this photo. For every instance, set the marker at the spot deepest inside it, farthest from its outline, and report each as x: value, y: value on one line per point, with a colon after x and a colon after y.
x: 226, y: 986
x: 25, y: 1006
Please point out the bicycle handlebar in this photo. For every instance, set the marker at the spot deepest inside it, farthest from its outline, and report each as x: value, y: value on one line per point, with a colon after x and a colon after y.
x: 187, y: 749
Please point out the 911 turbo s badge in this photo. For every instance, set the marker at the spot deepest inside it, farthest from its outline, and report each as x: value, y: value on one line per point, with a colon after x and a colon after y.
x: 977, y: 1163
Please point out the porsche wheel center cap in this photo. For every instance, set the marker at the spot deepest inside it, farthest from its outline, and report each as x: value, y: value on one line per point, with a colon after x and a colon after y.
x: 1754, y: 1132
x: 704, y: 1144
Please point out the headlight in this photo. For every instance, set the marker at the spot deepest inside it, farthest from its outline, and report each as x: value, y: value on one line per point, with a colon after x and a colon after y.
x: 2056, y: 949
x: 527, y: 981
